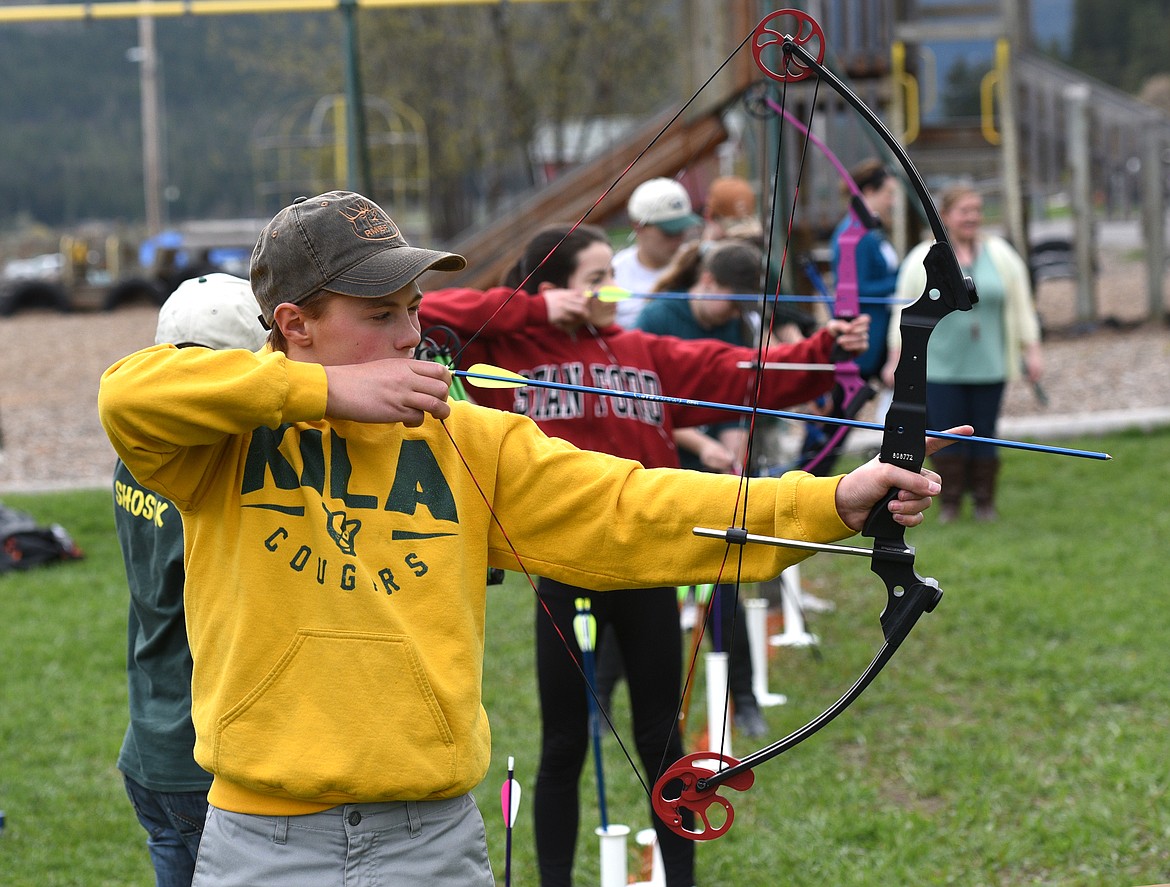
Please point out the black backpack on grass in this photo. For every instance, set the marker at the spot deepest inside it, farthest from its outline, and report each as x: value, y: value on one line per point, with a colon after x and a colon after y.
x: 25, y: 544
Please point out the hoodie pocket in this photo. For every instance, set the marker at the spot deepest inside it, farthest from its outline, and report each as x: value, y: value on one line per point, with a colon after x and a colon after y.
x: 342, y: 716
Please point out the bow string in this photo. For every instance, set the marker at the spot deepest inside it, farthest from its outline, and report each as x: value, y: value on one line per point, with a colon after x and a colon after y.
x: 451, y: 357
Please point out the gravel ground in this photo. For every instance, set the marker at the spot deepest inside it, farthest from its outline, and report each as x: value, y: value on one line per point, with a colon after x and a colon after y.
x: 50, y: 364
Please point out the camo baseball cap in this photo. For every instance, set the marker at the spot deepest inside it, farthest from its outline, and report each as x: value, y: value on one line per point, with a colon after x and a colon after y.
x: 338, y: 241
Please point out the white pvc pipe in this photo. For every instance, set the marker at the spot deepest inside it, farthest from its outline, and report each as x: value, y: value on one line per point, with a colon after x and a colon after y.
x: 793, y: 634
x: 614, y: 867
x: 757, y: 628
x: 717, y: 717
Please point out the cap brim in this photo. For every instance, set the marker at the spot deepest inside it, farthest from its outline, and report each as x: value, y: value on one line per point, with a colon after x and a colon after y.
x: 679, y: 225
x: 391, y: 269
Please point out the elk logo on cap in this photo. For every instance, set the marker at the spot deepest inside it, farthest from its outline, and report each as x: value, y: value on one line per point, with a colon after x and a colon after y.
x: 370, y: 221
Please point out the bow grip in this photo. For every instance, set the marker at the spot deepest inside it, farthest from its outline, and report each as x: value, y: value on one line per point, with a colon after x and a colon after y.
x: 880, y: 524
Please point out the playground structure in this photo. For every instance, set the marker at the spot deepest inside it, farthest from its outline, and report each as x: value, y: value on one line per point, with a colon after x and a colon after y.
x: 103, y: 267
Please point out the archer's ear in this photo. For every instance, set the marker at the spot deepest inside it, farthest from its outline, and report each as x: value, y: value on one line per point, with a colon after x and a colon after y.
x: 291, y: 321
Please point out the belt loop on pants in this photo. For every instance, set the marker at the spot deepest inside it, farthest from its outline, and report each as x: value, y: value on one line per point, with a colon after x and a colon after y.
x: 413, y: 817
x: 280, y: 832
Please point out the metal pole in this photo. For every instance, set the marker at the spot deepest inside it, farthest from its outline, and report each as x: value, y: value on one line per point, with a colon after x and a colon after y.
x: 1154, y: 214
x: 1077, y: 99
x: 357, y: 164
x: 900, y: 236
x: 147, y: 57
x: 1013, y: 178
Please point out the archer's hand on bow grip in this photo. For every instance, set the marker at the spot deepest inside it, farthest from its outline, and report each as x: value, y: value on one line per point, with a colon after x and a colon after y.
x: 912, y: 491
x: 868, y: 487
x: 850, y: 337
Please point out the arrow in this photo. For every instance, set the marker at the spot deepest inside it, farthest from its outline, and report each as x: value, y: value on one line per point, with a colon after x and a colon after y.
x: 617, y: 294
x: 585, y: 628
x: 791, y: 367
x: 483, y: 375
x: 509, y: 805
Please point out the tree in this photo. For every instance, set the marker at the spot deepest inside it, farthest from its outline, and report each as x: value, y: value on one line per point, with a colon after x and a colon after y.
x: 1121, y: 42
x: 71, y: 142
x: 483, y: 98
x: 484, y: 78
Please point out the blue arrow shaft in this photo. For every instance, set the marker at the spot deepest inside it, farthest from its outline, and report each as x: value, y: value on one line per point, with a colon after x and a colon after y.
x: 781, y: 414
x: 763, y: 297
x: 595, y: 729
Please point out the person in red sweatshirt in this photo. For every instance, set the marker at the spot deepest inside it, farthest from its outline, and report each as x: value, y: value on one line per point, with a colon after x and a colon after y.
x: 546, y: 322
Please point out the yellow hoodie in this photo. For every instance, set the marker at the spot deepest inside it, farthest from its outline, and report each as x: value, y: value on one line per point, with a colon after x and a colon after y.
x: 336, y: 570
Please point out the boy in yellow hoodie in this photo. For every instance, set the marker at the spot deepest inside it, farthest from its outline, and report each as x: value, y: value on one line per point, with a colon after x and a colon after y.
x: 339, y: 517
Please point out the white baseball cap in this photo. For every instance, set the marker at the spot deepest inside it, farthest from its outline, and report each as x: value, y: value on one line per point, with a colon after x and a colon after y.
x: 663, y: 203
x: 216, y: 311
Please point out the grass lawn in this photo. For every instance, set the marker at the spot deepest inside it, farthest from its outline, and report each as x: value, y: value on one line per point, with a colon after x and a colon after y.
x: 1018, y: 737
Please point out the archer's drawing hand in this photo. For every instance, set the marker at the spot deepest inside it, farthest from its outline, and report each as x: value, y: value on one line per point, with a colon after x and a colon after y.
x: 390, y: 390
x: 852, y: 336
x: 861, y: 489
x: 718, y: 458
x: 567, y: 309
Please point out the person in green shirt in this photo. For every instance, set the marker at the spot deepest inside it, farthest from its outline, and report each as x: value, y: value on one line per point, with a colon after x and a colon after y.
x: 167, y: 789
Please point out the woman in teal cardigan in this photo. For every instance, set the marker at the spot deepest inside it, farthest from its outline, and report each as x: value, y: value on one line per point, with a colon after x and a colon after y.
x: 973, y: 354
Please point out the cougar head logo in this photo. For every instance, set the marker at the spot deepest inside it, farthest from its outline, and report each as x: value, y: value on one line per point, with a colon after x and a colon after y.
x: 341, y: 530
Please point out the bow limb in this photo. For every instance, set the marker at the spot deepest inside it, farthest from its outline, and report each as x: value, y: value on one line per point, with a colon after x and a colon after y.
x: 816, y: 140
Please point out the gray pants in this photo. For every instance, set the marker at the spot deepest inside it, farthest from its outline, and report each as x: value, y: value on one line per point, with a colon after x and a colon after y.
x: 410, y: 843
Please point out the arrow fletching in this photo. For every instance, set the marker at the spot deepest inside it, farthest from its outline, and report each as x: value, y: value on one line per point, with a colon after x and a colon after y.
x: 510, y: 797
x: 610, y: 294
x: 585, y: 626
x: 484, y: 375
